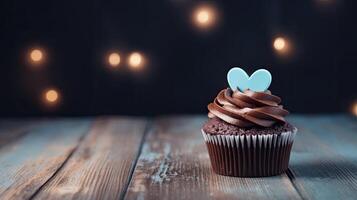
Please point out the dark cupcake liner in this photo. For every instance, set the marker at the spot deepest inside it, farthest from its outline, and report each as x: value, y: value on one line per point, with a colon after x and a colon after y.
x: 249, y: 155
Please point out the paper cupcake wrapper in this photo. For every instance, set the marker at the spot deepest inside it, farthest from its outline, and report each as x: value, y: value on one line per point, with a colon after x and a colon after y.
x: 250, y: 155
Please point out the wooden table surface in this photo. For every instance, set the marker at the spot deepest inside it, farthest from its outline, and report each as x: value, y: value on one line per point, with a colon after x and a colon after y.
x: 165, y: 158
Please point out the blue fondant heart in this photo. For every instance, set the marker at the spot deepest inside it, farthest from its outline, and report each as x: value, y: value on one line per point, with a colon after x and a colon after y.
x: 259, y: 81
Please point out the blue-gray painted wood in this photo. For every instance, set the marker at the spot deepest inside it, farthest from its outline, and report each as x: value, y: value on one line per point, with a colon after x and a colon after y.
x: 11, y: 130
x: 174, y: 164
x: 27, y: 163
x: 44, y: 159
x: 101, y: 166
x: 324, y: 159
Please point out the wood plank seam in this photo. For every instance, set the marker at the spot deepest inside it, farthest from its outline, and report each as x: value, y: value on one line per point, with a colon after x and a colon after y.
x: 148, y: 128
x: 100, y: 167
x: 324, y: 161
x: 291, y: 177
x: 174, y: 164
x: 65, y: 161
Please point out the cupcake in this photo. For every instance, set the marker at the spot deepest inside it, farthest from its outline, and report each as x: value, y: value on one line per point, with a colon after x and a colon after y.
x: 247, y: 134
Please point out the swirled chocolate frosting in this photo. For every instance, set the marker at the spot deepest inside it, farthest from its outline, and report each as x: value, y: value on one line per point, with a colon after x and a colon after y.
x: 248, y: 108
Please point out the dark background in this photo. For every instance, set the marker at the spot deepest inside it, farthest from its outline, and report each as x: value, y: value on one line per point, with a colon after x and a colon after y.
x: 186, y: 67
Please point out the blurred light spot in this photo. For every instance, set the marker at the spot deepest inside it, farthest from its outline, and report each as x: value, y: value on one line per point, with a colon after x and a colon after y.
x: 51, y: 96
x: 354, y: 108
x: 114, y: 59
x: 205, y: 16
x: 36, y: 55
x: 136, y: 60
x: 283, y: 47
x: 279, y: 43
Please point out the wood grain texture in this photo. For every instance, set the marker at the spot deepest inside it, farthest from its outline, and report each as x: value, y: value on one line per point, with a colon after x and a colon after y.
x: 174, y: 164
x: 324, y: 161
x: 100, y: 168
x: 27, y: 163
x: 11, y: 130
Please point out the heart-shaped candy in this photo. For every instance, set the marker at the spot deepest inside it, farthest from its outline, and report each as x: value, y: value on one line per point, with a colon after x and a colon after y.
x: 259, y: 81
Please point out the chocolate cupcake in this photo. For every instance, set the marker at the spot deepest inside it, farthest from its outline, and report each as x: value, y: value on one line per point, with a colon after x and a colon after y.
x: 247, y: 134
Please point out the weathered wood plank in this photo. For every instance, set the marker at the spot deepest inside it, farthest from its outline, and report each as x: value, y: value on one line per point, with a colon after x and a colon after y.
x: 174, y: 164
x: 340, y: 134
x: 11, y: 130
x: 324, y: 161
x: 27, y: 163
x: 101, y: 166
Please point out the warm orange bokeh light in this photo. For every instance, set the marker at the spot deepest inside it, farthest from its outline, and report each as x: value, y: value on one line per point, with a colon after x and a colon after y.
x: 204, y: 16
x: 114, y: 59
x: 354, y: 108
x: 279, y: 44
x: 51, y: 96
x: 135, y: 60
x: 36, y: 55
x: 283, y: 47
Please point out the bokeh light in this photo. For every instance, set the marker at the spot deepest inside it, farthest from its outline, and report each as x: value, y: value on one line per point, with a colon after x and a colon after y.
x: 279, y: 43
x: 283, y: 46
x: 51, y: 96
x: 36, y: 56
x: 136, y: 60
x: 114, y: 59
x: 354, y: 108
x: 205, y: 16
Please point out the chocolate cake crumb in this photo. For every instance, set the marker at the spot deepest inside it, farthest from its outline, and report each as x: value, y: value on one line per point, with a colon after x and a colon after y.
x: 216, y: 126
